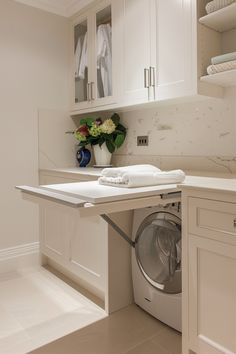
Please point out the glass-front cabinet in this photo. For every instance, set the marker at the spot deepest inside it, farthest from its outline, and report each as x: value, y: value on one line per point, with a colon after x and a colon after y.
x: 93, y: 79
x: 81, y: 69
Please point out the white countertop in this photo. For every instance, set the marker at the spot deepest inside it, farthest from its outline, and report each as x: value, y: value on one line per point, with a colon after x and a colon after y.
x: 86, y: 171
x: 209, y: 183
x: 93, y: 192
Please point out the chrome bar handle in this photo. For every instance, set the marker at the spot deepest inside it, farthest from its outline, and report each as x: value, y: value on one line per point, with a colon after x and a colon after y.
x: 153, y: 80
x: 92, y: 98
x: 88, y: 92
x: 152, y: 76
x: 146, y: 78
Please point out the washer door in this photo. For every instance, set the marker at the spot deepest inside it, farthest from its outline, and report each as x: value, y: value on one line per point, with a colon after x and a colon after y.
x: 158, y: 251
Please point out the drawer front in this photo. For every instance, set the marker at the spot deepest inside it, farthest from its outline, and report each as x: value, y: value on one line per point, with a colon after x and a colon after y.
x: 212, y: 219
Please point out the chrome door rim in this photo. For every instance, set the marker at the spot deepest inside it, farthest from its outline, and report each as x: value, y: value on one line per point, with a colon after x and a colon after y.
x: 174, y: 220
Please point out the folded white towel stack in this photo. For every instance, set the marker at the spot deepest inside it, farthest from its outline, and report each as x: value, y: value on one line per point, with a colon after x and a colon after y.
x: 216, y: 5
x: 120, y: 171
x: 214, y: 69
x: 139, y: 176
x: 224, y: 58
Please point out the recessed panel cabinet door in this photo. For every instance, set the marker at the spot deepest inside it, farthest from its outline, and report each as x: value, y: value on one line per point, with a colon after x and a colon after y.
x: 81, y: 62
x: 212, y: 294
x: 173, y: 59
x: 55, y: 229
x: 87, y: 251
x: 136, y: 59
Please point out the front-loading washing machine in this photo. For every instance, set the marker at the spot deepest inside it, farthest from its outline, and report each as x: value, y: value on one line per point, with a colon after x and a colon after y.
x: 156, y: 262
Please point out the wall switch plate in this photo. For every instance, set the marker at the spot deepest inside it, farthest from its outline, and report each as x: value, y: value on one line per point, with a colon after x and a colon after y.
x: 142, y: 140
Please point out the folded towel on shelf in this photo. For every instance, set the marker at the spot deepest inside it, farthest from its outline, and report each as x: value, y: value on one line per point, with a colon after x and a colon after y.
x: 214, y: 69
x: 223, y: 58
x: 216, y: 5
x: 120, y: 171
x: 132, y: 178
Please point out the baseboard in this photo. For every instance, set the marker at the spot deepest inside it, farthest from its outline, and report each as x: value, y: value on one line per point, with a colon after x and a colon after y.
x: 20, y: 256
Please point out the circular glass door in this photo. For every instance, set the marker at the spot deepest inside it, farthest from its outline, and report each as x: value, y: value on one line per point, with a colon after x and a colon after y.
x: 158, y: 251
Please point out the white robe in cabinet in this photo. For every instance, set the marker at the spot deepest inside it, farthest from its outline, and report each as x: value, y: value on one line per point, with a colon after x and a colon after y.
x: 93, y: 90
x: 209, y: 268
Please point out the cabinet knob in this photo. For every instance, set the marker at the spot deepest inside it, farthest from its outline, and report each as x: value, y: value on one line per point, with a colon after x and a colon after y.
x: 235, y: 222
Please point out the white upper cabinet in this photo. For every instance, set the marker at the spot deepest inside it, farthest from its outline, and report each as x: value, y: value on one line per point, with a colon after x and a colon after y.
x: 93, y: 84
x: 81, y: 72
x: 137, y: 17
x: 155, y: 51
x: 173, y: 73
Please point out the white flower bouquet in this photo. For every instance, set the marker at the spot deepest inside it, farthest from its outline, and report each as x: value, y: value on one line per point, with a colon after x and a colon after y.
x: 95, y: 131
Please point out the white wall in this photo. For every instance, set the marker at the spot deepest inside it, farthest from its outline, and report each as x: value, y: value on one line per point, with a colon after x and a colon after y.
x: 33, y: 75
x: 196, y: 136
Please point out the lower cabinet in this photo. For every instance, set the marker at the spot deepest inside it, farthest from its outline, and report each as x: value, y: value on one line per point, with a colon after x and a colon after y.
x: 212, y: 296
x: 77, y: 244
x: 209, y: 274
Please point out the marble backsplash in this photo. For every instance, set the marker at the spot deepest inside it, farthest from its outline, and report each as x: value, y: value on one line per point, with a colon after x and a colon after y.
x: 196, y: 136
x: 193, y: 136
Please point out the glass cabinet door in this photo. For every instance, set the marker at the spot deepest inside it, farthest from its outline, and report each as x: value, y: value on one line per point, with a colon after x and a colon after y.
x: 81, y: 61
x: 104, y: 53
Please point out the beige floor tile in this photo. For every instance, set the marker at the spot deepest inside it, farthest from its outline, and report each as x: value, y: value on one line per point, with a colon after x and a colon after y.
x: 148, y: 347
x: 37, y: 308
x: 130, y: 330
x: 170, y: 340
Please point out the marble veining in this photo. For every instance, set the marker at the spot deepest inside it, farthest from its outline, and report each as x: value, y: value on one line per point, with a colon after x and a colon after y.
x: 192, y: 135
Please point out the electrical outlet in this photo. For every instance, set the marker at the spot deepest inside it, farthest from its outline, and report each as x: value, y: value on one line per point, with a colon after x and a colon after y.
x: 142, y: 140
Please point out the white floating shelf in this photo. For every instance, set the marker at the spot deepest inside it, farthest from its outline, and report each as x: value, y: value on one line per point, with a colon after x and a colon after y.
x: 224, y: 79
x: 221, y: 20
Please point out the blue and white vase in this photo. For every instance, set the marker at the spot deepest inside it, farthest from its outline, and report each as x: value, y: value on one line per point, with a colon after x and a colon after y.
x: 83, y: 157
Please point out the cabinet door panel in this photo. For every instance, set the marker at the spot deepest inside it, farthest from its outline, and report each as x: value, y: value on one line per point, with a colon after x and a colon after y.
x: 87, y: 250
x: 104, y: 55
x: 173, y: 59
x: 137, y: 16
x: 212, y: 294
x: 55, y: 230
x: 81, y: 62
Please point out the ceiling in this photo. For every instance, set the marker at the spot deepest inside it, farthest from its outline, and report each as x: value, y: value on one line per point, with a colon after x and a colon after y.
x: 65, y: 8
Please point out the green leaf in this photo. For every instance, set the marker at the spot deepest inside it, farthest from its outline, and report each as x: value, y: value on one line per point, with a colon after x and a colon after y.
x: 87, y: 121
x: 119, y: 140
x: 101, y: 141
x: 121, y: 127
x: 111, y: 147
x: 115, y: 118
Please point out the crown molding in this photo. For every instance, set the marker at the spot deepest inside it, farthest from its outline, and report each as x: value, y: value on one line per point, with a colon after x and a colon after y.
x: 76, y: 6
x: 66, y: 8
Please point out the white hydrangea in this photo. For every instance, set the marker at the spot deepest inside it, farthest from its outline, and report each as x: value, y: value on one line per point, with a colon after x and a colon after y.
x: 108, y: 127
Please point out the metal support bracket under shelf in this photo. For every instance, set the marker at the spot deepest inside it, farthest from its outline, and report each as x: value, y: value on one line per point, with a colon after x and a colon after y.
x: 121, y: 232
x: 118, y: 230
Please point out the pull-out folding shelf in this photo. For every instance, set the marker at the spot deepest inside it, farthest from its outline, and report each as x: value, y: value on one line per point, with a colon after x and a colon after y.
x: 115, y: 206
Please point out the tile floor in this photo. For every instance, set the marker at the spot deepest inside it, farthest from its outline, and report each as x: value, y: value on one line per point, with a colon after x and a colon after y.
x: 129, y: 331
x: 36, y: 308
